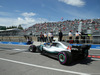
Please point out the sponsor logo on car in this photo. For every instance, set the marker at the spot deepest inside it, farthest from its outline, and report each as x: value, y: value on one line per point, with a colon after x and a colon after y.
x: 75, y: 49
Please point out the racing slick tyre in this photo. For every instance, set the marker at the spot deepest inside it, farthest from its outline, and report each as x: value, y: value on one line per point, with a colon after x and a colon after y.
x: 32, y: 48
x: 65, y: 57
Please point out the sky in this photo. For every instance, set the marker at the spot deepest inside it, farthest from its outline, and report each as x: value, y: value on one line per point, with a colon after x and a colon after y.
x: 30, y: 12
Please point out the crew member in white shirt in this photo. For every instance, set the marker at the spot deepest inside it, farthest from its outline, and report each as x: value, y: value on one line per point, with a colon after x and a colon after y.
x: 77, y: 34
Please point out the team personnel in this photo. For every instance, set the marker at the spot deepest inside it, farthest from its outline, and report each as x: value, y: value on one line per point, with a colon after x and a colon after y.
x: 50, y: 36
x: 60, y: 35
x: 41, y: 37
x: 45, y: 37
x: 77, y: 36
x: 70, y: 37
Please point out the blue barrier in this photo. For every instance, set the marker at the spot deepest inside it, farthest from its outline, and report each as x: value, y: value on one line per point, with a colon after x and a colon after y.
x: 95, y: 46
x: 23, y: 43
x: 17, y: 43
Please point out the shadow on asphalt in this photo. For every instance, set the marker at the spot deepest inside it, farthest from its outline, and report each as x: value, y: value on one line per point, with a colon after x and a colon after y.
x: 6, y: 48
x: 22, y: 51
x: 86, y: 61
x: 18, y: 52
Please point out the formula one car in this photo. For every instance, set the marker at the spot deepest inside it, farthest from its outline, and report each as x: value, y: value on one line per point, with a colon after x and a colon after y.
x: 65, y: 52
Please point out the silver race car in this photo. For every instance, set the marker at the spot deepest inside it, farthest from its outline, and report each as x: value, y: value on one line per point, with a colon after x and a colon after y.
x: 65, y: 52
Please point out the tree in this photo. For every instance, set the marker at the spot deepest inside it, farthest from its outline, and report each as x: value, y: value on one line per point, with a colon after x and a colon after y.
x: 2, y: 28
x: 20, y: 27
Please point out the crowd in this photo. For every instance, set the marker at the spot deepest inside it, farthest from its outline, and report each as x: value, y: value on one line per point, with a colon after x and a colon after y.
x: 65, y: 26
x: 46, y: 31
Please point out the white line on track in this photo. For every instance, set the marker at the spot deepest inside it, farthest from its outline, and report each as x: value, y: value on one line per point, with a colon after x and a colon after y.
x: 19, y: 49
x: 44, y: 67
x: 94, y: 49
x: 95, y: 59
x: 15, y: 45
x: 95, y: 54
x: 14, y: 49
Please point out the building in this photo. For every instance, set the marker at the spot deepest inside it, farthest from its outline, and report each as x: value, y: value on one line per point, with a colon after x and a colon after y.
x: 10, y: 32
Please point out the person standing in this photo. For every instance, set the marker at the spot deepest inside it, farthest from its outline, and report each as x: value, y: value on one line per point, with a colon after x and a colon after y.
x: 29, y: 40
x: 45, y: 37
x: 77, y: 36
x: 70, y: 37
x: 50, y: 36
x: 41, y: 37
x: 60, y: 35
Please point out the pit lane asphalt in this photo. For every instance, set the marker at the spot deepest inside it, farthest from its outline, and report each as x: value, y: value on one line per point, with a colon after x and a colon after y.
x: 16, y: 60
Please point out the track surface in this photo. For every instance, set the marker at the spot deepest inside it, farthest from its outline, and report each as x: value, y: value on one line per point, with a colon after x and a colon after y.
x: 16, y: 60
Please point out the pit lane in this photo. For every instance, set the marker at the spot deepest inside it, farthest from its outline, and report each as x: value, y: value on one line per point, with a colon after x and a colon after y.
x: 16, y: 60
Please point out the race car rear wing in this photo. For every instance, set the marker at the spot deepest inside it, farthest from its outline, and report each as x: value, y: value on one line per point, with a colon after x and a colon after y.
x: 80, y: 48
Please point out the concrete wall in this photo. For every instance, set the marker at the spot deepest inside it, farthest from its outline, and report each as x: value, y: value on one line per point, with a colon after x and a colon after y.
x: 34, y: 38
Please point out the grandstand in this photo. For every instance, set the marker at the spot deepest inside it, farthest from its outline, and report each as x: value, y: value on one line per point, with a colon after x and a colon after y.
x: 65, y: 26
x: 88, y: 25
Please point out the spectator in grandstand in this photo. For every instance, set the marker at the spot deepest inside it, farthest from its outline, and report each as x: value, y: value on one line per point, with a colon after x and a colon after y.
x: 45, y: 37
x: 41, y: 37
x: 70, y: 37
x: 60, y: 35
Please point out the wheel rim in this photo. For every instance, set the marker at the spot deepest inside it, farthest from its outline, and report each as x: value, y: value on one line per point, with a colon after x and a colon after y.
x: 61, y: 58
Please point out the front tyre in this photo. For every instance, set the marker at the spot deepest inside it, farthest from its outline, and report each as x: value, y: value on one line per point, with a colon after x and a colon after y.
x: 64, y: 58
x: 32, y: 48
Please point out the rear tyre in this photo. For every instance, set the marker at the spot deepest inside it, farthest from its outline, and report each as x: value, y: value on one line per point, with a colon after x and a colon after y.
x: 32, y: 48
x: 65, y: 57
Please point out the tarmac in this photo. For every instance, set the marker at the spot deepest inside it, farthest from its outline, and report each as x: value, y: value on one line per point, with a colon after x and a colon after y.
x: 17, y: 60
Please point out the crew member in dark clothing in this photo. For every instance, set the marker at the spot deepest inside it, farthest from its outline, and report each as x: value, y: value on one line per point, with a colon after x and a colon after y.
x: 60, y: 35
x: 82, y: 37
x: 41, y: 37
